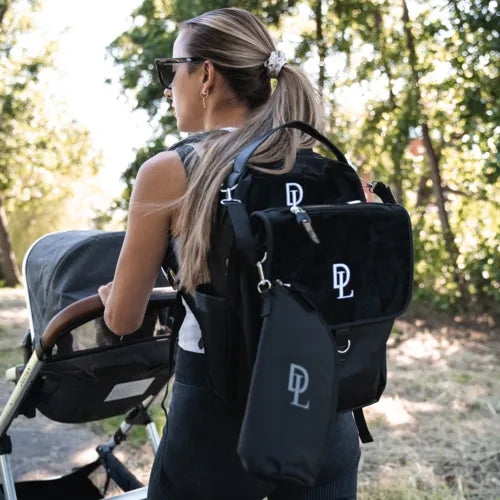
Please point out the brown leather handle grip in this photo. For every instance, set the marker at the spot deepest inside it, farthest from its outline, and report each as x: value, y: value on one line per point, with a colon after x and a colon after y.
x: 86, y: 309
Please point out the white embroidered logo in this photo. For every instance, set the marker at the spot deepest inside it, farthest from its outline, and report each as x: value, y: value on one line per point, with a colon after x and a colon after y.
x: 294, y: 194
x: 341, y: 277
x: 298, y: 381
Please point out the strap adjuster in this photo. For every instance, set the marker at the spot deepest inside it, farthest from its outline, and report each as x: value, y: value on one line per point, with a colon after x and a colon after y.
x: 229, y: 198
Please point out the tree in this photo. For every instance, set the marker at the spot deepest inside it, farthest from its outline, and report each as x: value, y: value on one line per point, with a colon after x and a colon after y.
x: 453, y: 117
x: 39, y: 158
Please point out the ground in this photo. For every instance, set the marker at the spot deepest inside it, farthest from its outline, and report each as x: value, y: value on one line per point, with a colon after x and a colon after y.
x: 436, y: 428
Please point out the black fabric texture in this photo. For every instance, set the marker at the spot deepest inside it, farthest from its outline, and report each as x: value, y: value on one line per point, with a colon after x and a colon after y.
x: 363, y: 368
x: 364, y: 433
x: 293, y: 392
x: 323, y: 181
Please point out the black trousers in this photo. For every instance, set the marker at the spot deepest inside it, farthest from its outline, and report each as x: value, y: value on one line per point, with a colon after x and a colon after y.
x: 197, y: 457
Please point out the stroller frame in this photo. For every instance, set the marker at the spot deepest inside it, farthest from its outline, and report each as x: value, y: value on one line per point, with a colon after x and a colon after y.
x: 69, y: 318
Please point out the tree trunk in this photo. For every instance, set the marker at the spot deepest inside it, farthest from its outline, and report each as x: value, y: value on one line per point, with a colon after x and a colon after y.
x: 397, y: 177
x: 320, y: 42
x: 423, y: 191
x: 4, y: 6
x: 433, y: 158
x: 437, y: 188
x: 8, y: 262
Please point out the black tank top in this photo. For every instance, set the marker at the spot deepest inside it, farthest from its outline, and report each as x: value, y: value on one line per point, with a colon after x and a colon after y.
x: 185, y: 147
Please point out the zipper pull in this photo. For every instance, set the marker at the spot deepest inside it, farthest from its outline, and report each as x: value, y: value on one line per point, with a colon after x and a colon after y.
x: 303, y: 218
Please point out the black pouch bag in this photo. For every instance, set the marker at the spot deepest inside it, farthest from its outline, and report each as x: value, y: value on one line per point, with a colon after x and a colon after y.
x: 293, y: 392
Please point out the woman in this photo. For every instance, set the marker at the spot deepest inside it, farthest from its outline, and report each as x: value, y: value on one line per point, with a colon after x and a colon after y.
x: 222, y: 89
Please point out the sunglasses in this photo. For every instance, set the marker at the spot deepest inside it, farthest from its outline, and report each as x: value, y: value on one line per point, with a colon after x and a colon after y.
x: 164, y: 68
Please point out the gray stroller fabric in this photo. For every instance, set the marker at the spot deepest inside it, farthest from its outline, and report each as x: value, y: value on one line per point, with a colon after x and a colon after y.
x: 67, y: 266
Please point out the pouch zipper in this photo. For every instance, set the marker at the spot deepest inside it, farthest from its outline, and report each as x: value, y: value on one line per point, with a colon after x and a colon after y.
x: 303, y: 219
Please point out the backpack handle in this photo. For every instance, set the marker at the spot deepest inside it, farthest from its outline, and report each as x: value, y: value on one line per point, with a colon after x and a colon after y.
x: 240, y: 162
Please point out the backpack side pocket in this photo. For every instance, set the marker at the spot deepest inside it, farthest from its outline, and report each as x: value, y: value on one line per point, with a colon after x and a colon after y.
x: 215, y: 320
x: 363, y: 368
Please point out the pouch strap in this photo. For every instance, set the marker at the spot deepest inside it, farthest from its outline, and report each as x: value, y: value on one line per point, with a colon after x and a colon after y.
x: 364, y: 433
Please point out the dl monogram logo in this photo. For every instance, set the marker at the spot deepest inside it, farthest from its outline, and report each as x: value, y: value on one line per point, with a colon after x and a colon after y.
x: 294, y: 194
x: 341, y: 277
x: 298, y: 381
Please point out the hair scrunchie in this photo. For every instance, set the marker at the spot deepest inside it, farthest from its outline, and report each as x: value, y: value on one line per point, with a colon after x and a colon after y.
x: 274, y: 63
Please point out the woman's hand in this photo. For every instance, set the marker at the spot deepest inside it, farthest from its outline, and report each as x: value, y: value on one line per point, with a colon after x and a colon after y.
x: 104, y: 291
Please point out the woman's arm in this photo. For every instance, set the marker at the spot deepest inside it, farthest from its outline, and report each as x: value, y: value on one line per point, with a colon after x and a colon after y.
x: 160, y: 180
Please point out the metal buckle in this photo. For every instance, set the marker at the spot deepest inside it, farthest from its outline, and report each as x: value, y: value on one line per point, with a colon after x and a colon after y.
x: 348, y: 346
x: 229, y: 197
x: 370, y: 185
x: 264, y: 284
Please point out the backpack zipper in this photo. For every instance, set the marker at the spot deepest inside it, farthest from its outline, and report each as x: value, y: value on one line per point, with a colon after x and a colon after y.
x: 303, y: 219
x: 339, y: 206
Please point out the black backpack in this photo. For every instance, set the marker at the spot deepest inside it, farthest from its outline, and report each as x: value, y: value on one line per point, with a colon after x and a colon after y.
x: 304, y: 240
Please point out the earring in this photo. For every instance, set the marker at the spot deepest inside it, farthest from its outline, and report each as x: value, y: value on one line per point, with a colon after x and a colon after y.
x: 204, y: 95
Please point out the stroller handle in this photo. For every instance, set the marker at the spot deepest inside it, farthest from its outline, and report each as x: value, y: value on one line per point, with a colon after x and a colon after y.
x: 86, y: 309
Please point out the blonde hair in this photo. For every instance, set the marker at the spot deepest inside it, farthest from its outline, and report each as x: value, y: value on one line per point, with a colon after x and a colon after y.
x: 238, y: 44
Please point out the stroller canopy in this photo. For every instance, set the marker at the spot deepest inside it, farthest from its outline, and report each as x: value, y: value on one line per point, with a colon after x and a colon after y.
x: 61, y: 268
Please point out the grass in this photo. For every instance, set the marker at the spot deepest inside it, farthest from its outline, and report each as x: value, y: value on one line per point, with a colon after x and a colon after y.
x: 9, y: 357
x: 462, y: 377
x: 408, y: 491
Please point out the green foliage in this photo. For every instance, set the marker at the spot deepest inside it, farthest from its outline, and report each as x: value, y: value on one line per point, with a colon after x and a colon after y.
x: 451, y: 91
x: 41, y: 156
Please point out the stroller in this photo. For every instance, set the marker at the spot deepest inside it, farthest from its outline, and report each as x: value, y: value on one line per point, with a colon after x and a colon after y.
x: 71, y: 357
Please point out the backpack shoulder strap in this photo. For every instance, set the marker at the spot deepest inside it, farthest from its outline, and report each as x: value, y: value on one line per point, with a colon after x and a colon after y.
x: 240, y: 163
x: 383, y: 192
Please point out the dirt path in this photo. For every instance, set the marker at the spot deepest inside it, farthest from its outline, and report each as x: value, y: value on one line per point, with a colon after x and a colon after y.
x: 436, y: 429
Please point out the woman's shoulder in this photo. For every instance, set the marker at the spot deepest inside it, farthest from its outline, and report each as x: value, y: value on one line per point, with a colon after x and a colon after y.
x: 161, y: 176
x: 160, y: 163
